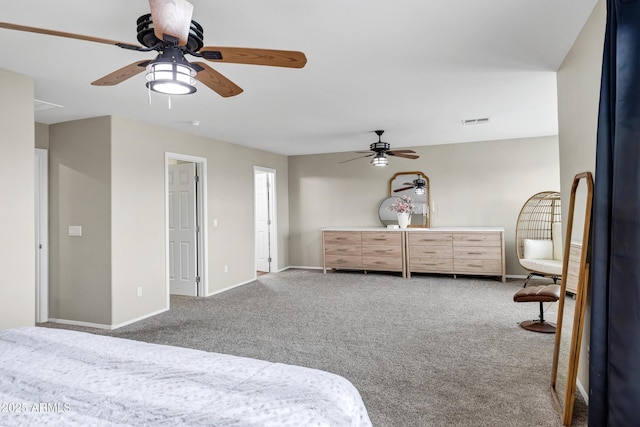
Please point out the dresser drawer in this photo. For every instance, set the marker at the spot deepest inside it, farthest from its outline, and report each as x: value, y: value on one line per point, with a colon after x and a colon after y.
x: 477, y: 239
x: 478, y: 266
x: 431, y: 251
x: 382, y: 263
x: 430, y: 265
x: 381, y: 238
x: 429, y: 239
x: 343, y: 237
x: 382, y: 251
x: 346, y: 261
x: 341, y: 249
x: 478, y: 252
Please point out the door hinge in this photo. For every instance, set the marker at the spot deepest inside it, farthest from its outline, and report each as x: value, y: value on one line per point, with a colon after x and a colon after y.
x: 268, y: 222
x: 197, y: 178
x: 269, y: 259
x: 198, y: 279
x: 197, y: 228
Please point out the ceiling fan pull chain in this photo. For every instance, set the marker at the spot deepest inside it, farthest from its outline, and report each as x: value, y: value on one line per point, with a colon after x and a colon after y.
x: 169, y: 102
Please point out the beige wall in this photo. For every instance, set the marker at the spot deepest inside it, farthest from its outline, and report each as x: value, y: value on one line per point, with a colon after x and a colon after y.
x: 472, y: 184
x: 42, y: 136
x: 79, y: 194
x: 113, y: 170
x: 578, y: 97
x: 17, y: 257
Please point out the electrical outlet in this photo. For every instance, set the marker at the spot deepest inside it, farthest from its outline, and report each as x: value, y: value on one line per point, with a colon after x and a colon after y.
x: 139, y: 291
x: 226, y: 268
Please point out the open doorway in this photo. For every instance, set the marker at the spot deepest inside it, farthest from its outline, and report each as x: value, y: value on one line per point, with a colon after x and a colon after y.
x: 266, y: 241
x: 41, y: 179
x: 185, y: 213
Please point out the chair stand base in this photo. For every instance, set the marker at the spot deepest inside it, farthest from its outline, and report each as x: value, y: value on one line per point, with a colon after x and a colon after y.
x: 538, y: 326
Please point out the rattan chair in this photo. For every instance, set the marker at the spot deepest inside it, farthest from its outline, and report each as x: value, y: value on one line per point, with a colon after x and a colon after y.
x: 539, y: 236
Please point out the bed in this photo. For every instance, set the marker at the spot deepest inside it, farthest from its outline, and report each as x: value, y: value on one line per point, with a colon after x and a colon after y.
x: 54, y: 377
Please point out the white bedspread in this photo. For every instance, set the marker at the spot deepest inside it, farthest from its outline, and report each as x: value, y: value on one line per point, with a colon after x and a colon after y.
x: 65, y: 378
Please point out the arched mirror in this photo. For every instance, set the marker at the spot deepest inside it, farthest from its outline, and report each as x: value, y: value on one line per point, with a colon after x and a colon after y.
x: 573, y: 296
x: 415, y: 185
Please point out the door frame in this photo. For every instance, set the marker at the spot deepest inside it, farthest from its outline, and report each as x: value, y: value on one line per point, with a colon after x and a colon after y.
x: 41, y: 243
x: 201, y: 212
x: 273, y: 228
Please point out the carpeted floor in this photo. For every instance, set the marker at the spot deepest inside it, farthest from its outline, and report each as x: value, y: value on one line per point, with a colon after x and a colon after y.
x: 425, y: 351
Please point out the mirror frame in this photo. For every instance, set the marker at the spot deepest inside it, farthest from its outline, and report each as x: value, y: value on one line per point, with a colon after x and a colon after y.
x: 428, y: 195
x: 565, y: 408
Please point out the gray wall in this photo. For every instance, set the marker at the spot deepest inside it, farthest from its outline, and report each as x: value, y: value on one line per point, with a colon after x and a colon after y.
x: 17, y: 257
x: 80, y: 194
x: 472, y: 184
x: 578, y: 97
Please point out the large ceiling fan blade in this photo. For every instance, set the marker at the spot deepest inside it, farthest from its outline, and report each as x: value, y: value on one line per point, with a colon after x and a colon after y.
x: 122, y: 74
x: 216, y: 81
x: 403, y: 151
x: 245, y: 55
x: 405, y: 156
x: 17, y: 27
x: 171, y: 17
x: 356, y: 158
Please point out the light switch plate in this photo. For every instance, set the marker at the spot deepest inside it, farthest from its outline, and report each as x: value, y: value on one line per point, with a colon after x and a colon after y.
x: 75, y: 230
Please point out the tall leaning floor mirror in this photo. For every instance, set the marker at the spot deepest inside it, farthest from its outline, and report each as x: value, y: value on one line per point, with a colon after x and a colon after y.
x: 573, y: 298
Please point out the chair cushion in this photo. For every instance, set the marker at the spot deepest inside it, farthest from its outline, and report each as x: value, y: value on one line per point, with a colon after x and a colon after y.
x: 549, y: 267
x: 541, y: 293
x: 556, y: 236
x: 538, y: 249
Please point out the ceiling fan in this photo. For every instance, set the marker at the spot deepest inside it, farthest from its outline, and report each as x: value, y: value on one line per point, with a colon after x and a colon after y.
x: 382, y: 149
x: 169, y: 30
x: 419, y: 184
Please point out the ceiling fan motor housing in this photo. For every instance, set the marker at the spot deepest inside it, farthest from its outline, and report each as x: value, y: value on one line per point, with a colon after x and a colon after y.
x: 147, y: 37
x: 379, y: 147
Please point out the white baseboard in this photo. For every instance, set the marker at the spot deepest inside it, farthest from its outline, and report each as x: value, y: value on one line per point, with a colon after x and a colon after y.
x: 76, y: 323
x: 583, y: 392
x: 231, y: 287
x: 137, y: 319
x: 300, y: 267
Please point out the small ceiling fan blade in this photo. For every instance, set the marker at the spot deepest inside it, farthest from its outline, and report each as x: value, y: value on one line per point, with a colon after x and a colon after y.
x: 24, y: 28
x: 403, y: 189
x: 216, y: 81
x: 403, y: 151
x: 244, y: 55
x: 356, y: 158
x: 406, y: 156
x: 171, y: 17
x: 122, y: 74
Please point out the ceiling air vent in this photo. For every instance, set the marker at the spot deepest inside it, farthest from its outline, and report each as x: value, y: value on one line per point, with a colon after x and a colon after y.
x: 478, y: 121
x: 43, y: 105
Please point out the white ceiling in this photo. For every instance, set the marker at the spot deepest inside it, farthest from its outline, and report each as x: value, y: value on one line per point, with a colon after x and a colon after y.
x: 415, y: 68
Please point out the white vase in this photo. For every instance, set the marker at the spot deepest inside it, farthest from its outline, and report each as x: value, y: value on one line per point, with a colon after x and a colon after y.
x: 403, y: 219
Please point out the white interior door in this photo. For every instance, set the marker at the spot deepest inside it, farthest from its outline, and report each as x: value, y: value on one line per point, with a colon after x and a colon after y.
x: 263, y: 257
x: 42, y: 235
x: 183, y: 253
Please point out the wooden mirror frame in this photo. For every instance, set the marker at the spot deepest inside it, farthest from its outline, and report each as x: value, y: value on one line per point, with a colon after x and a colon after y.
x: 427, y: 223
x: 575, y: 268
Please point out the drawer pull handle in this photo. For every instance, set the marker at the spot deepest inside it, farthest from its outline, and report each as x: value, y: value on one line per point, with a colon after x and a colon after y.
x: 380, y: 239
x: 475, y: 240
x: 474, y: 253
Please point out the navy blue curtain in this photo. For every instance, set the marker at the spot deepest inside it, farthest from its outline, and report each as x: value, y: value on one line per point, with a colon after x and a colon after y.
x: 614, y: 368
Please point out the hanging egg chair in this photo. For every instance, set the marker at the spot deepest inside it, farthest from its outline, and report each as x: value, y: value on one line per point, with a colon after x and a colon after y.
x: 539, y: 236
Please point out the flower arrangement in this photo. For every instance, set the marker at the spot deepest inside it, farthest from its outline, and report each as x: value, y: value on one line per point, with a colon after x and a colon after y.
x: 403, y: 204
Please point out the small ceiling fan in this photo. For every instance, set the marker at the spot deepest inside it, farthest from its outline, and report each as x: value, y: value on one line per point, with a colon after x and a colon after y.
x: 380, y: 150
x: 169, y: 30
x: 419, y: 184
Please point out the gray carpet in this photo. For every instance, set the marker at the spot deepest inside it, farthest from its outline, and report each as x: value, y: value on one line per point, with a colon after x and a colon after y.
x: 425, y: 351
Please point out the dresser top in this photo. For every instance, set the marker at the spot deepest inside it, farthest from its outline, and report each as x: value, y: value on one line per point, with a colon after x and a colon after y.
x: 422, y: 230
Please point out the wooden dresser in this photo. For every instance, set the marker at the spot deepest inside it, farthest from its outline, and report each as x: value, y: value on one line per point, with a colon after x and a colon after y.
x: 444, y: 250
x: 374, y: 249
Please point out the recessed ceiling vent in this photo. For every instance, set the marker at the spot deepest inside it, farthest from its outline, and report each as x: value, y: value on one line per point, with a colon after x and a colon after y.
x: 43, y: 105
x: 478, y: 121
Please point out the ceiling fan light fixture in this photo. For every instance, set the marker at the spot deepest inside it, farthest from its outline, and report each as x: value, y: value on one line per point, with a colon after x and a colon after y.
x: 171, y: 77
x: 420, y: 190
x: 379, y: 160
